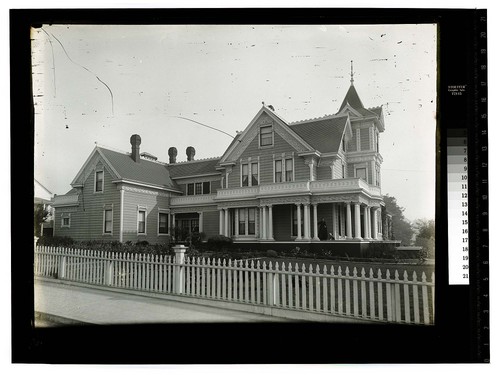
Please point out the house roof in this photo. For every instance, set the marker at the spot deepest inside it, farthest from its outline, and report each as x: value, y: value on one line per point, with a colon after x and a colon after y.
x: 193, y: 168
x: 145, y: 171
x: 352, y: 98
x: 324, y: 135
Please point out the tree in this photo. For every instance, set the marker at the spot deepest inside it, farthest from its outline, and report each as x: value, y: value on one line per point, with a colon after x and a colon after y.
x: 401, y: 228
x: 426, y: 232
x: 40, y: 215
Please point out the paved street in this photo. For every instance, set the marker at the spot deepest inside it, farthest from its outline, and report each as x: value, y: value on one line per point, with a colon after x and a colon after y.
x: 79, y: 304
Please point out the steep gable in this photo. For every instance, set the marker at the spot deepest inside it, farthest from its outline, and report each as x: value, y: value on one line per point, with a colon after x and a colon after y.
x: 122, y: 167
x: 264, y: 117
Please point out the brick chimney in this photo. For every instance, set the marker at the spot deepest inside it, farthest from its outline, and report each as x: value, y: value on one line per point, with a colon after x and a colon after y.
x: 135, y: 141
x: 190, y: 152
x: 172, y: 154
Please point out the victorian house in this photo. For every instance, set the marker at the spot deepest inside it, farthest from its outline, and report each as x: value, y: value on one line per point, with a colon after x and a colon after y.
x: 278, y: 183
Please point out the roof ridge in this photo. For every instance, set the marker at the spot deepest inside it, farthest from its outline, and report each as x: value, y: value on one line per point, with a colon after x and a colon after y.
x: 194, y: 161
x: 324, y: 117
x: 129, y: 153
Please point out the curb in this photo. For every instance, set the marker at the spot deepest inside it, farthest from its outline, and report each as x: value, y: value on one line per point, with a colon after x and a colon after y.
x: 58, y: 320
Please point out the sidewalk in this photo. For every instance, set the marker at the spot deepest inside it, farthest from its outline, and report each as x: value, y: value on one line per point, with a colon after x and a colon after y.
x: 72, y: 303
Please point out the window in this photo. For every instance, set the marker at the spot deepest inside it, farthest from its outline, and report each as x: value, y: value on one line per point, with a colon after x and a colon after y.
x: 361, y: 173
x: 266, y: 136
x: 65, y: 220
x: 244, y: 175
x: 99, y: 180
x: 198, y: 188
x: 206, y: 187
x: 288, y: 170
x: 287, y: 166
x: 343, y: 170
x: 162, y: 223
x: 255, y: 174
x: 278, y: 174
x: 141, y: 222
x: 343, y: 144
x: 251, y: 221
x: 241, y: 221
x: 246, y: 221
x: 294, y: 221
x: 108, y: 221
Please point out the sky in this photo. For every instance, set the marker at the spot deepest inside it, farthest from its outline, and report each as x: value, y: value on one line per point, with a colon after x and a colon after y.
x: 101, y: 84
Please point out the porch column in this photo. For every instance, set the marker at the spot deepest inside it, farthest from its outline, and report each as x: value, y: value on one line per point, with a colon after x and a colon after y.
x: 334, y: 220
x: 260, y: 223
x: 366, y: 234
x: 374, y: 224
x: 315, y: 221
x: 236, y: 222
x: 200, y: 221
x: 342, y: 221
x: 348, y: 221
x: 226, y: 222
x: 299, y: 220
x: 370, y: 223
x: 357, y: 221
x: 264, y: 223
x: 270, y: 235
x: 307, y: 222
x: 173, y: 224
x: 221, y: 222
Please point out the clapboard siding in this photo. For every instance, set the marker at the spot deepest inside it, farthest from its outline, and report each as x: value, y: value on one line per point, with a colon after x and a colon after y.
x: 266, y: 160
x: 87, y: 221
x: 151, y: 202
x: 324, y: 172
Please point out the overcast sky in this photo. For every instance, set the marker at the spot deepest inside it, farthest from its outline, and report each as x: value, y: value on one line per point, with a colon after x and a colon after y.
x: 101, y: 84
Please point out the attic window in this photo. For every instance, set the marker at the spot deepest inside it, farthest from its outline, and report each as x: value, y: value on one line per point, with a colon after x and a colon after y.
x: 266, y: 136
x: 99, y: 179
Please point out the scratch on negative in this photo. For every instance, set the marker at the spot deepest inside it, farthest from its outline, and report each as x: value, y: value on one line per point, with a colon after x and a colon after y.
x: 88, y: 70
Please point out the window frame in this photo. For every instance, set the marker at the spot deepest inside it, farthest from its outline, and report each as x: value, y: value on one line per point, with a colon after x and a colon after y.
x: 271, y: 135
x: 167, y: 214
x: 63, y: 217
x: 356, y: 169
x: 101, y: 172
x: 139, y: 210
x: 104, y: 221
x: 279, y: 173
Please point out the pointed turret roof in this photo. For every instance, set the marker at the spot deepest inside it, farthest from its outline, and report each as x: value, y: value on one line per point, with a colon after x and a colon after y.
x: 352, y: 98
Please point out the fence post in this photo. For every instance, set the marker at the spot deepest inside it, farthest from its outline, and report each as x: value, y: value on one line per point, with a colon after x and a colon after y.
x: 180, y: 251
x: 62, y: 267
x: 108, y: 272
x: 271, y: 286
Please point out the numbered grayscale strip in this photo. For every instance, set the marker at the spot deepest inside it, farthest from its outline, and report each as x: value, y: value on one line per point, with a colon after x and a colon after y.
x: 458, y: 208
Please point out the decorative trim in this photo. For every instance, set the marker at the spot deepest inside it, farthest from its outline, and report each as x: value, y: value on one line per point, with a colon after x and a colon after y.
x: 194, y: 209
x: 144, y: 191
x: 315, y: 199
x: 284, y: 200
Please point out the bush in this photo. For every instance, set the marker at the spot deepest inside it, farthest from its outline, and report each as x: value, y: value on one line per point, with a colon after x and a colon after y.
x: 271, y: 254
x: 55, y: 241
x: 219, y: 243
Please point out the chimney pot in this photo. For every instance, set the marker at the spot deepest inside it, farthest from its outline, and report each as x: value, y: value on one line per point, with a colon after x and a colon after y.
x: 172, y: 153
x: 135, y: 141
x: 190, y: 152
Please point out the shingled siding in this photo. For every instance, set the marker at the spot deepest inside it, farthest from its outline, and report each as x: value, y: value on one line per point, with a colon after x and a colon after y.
x: 266, y: 161
x: 87, y: 220
x: 365, y: 139
x: 151, y: 202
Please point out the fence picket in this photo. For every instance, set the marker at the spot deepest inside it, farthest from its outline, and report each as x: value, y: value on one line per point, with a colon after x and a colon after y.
x: 297, y: 299
x: 283, y: 286
x: 347, y: 292
x: 433, y: 281
x: 425, y: 300
x: 355, y: 292
x: 406, y: 297
x: 325, y: 290
x: 364, y: 312
x: 397, y: 297
x: 252, y: 282
x: 247, y: 298
x: 258, y: 276
x: 317, y: 283
x: 332, y: 290
x: 371, y: 292
x: 340, y: 300
x: 380, y: 296
x: 310, y: 289
x: 264, y: 284
x: 290, y: 286
x: 389, y: 300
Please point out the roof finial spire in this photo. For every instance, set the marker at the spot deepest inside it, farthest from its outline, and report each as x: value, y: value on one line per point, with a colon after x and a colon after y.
x: 352, y: 75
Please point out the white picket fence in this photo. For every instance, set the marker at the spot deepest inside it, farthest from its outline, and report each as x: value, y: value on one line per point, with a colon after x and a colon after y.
x: 347, y: 293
